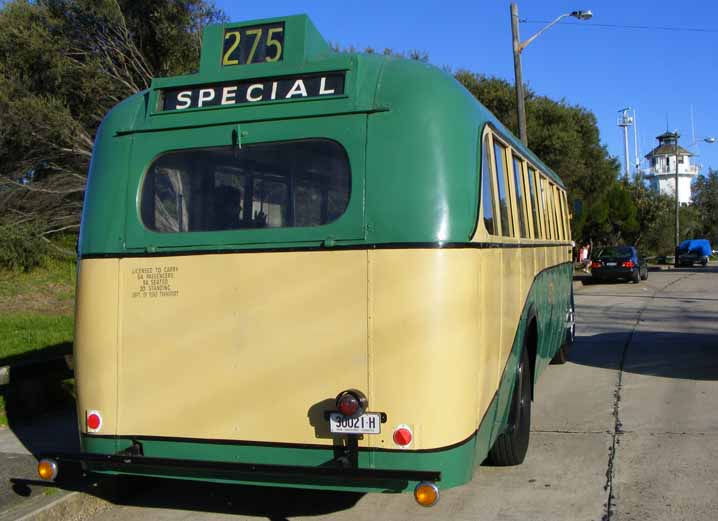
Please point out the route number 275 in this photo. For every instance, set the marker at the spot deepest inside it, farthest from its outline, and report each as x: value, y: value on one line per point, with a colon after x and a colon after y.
x: 245, y: 45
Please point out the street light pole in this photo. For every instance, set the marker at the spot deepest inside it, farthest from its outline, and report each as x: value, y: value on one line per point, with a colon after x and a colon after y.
x: 676, y: 135
x: 518, y: 79
x: 518, y: 47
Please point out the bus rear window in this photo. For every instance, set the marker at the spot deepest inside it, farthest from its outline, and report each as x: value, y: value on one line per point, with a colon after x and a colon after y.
x: 270, y: 185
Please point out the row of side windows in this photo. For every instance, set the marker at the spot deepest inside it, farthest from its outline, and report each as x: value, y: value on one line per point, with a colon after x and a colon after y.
x: 519, y: 200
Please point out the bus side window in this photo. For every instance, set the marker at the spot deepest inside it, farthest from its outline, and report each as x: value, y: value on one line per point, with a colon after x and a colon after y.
x: 562, y: 213
x: 544, y: 206
x: 487, y: 196
x: 554, y: 213
x: 534, y: 203
x: 520, y: 203
x: 556, y: 216
x: 540, y: 205
x: 567, y: 215
x: 504, y: 203
x: 550, y: 217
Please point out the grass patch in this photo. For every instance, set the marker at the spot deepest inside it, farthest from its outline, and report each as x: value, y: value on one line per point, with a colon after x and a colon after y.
x: 36, y: 311
x: 33, y: 334
x: 36, y: 317
x: 49, y: 289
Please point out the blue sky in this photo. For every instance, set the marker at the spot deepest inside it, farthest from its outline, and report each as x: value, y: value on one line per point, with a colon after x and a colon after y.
x: 661, y: 73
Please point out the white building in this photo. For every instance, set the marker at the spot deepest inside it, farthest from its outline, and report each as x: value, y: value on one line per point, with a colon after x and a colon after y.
x: 661, y: 172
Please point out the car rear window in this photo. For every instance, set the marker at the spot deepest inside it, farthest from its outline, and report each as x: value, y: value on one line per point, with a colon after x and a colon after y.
x: 620, y: 251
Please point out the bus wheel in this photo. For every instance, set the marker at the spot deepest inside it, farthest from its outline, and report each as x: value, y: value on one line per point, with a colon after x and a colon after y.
x: 561, y: 356
x: 511, y: 446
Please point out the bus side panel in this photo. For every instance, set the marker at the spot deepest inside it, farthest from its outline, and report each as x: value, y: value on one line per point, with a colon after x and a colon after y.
x: 424, y: 344
x: 547, y: 299
x: 491, y: 297
x: 95, y: 349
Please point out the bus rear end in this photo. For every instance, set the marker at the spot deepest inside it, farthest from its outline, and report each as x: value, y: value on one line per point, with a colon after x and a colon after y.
x: 223, y: 303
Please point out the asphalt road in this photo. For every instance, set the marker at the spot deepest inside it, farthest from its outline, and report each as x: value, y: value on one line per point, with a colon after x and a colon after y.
x: 628, y: 429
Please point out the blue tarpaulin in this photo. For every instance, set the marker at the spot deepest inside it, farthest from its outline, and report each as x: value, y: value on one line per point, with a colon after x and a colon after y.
x: 699, y: 247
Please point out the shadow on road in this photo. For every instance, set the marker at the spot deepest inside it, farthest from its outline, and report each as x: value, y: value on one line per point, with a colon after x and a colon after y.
x: 273, y: 503
x: 698, y: 269
x: 57, y: 432
x: 690, y: 356
x: 268, y: 502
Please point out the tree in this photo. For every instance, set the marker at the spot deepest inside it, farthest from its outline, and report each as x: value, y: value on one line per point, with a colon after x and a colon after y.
x: 63, y: 65
x: 656, y: 218
x: 622, y: 215
x: 705, y: 201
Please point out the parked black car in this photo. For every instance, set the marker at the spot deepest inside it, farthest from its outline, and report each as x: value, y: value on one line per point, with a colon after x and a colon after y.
x: 619, y: 262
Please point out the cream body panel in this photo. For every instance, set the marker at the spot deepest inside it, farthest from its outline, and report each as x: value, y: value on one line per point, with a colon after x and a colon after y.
x: 246, y: 349
x: 95, y: 348
x: 425, y: 346
x: 491, y: 296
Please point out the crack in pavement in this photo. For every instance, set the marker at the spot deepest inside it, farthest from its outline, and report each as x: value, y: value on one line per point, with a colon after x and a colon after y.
x: 617, y: 425
x: 570, y: 432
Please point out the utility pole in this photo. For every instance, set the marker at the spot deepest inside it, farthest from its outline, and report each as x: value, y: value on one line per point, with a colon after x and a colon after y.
x: 625, y: 120
x: 676, y: 135
x: 520, y: 108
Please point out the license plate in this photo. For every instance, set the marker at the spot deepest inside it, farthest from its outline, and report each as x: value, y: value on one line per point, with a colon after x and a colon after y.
x: 367, y: 423
x: 610, y: 264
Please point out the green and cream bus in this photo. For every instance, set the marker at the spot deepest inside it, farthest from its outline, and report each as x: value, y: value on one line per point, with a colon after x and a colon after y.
x: 313, y: 269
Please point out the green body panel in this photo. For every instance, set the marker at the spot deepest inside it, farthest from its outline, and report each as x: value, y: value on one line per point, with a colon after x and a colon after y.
x: 417, y: 152
x: 455, y: 463
x: 348, y: 130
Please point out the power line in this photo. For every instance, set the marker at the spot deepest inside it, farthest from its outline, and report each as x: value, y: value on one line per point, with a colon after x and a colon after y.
x: 640, y: 27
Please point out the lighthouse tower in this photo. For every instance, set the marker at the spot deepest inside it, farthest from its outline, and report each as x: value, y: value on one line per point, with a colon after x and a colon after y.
x: 661, y: 171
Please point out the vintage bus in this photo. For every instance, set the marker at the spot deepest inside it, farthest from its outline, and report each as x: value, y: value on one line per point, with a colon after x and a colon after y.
x: 313, y: 269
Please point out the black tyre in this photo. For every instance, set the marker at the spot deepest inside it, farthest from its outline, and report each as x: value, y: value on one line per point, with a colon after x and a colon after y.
x: 561, y: 356
x: 704, y: 262
x: 511, y: 446
x: 644, y: 275
x: 635, y: 277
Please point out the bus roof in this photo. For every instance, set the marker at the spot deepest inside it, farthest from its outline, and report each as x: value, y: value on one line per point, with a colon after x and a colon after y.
x: 422, y: 131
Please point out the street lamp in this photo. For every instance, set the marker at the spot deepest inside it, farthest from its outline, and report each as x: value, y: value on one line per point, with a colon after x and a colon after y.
x: 518, y: 48
x: 675, y: 136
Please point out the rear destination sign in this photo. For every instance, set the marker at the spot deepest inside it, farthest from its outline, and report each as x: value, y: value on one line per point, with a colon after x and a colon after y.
x: 253, y: 91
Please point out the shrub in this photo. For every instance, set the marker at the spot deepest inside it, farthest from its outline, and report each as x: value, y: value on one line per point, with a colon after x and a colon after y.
x: 21, y: 247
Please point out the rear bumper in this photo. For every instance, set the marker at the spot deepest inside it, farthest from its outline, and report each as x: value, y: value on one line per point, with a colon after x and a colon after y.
x: 295, y: 475
x: 612, y: 273
x: 690, y: 260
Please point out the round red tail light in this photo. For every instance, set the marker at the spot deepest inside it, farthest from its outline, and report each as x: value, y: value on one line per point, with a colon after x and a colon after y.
x: 348, y: 405
x: 351, y: 403
x: 94, y: 421
x: 402, y: 436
